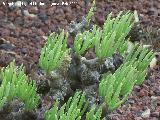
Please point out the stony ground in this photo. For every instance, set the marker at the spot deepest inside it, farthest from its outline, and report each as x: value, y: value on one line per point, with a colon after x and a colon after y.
x: 23, y: 31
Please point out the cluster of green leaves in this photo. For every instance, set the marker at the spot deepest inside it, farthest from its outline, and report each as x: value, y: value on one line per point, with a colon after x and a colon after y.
x: 15, y: 84
x: 114, y: 34
x: 86, y: 40
x: 110, y: 39
x: 140, y: 58
x: 74, y: 109
x: 116, y: 87
x: 52, y: 54
x: 121, y: 83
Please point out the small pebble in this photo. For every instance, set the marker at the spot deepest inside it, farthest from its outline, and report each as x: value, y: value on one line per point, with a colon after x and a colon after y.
x: 43, y: 16
x: 143, y: 93
x: 155, y: 114
x: 7, y: 46
x: 154, y: 98
x: 138, y: 118
x: 131, y: 101
x: 146, y: 114
x: 137, y: 88
x: 24, y: 50
x: 26, y: 13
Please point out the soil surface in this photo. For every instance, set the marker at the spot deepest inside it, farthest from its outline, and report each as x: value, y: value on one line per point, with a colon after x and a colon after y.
x: 23, y: 31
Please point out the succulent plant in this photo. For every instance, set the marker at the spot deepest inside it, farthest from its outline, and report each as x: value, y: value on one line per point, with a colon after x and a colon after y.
x: 127, y: 76
x: 15, y: 84
x: 140, y: 58
x: 74, y: 109
x: 133, y: 71
x: 114, y: 34
x: 116, y: 87
x: 52, y: 54
x: 86, y: 40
